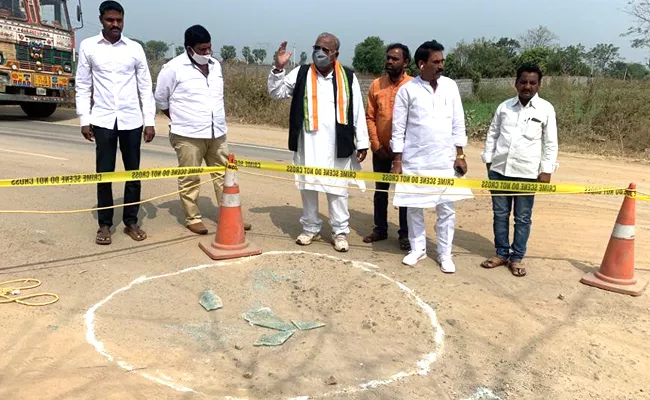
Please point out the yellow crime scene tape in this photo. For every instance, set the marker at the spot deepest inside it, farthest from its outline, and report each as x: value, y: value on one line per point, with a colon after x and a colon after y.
x: 467, y: 183
x: 106, y: 177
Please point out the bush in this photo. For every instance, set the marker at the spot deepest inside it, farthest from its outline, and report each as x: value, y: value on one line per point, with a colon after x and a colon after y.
x: 605, y: 116
x: 247, y: 99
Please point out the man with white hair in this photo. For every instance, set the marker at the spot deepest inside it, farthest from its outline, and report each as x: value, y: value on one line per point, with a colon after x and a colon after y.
x: 327, y: 130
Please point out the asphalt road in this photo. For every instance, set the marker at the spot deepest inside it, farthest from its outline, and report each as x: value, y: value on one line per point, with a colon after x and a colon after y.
x: 64, y: 139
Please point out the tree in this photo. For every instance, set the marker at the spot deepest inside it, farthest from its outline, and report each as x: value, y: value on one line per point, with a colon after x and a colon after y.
x: 248, y: 55
x: 624, y: 70
x: 303, y: 58
x: 179, y: 50
x: 156, y: 49
x: 370, y: 56
x: 640, y: 31
x: 602, y: 56
x: 259, y: 55
x: 228, y: 53
x: 510, y: 46
x: 536, y: 55
x: 483, y: 58
x: 538, y: 37
x: 568, y: 61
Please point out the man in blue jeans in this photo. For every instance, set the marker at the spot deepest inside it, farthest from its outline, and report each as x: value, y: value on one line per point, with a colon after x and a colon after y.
x: 521, y: 146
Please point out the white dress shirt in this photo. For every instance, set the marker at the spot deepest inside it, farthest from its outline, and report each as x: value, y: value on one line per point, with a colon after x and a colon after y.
x: 118, y: 79
x: 522, y: 140
x: 195, y: 102
x: 428, y: 125
x: 318, y: 148
x: 427, y: 128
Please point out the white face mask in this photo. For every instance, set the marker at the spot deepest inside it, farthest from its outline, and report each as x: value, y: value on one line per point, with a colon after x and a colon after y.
x: 199, y: 58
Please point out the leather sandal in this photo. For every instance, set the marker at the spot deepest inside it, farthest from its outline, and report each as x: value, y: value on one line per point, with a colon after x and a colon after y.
x: 517, y: 269
x: 135, y: 233
x: 404, y: 243
x: 103, y: 236
x: 494, y: 262
x: 375, y: 237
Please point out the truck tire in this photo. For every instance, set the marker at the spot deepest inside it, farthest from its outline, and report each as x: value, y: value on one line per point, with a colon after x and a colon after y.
x: 38, y: 110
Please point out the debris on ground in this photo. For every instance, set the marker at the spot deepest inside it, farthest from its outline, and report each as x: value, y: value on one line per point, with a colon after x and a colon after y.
x: 266, y: 318
x: 307, y: 326
x: 210, y: 301
x: 275, y: 339
x: 331, y: 381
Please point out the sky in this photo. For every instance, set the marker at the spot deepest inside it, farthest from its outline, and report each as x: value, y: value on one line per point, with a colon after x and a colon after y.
x: 264, y: 24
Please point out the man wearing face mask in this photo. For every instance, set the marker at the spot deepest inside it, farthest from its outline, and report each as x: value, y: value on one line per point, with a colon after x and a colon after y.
x: 189, y: 92
x: 327, y: 130
x: 428, y: 140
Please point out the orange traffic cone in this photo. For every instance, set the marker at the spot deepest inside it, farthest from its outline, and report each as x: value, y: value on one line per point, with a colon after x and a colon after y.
x: 616, y: 272
x: 230, y: 240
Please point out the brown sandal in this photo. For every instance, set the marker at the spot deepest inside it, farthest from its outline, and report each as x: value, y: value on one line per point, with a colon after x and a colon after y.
x: 103, y: 236
x: 375, y: 237
x: 135, y: 232
x: 517, y: 269
x: 494, y: 262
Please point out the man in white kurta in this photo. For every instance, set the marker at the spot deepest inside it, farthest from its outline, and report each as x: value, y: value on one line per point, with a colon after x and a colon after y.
x: 428, y: 139
x: 317, y: 140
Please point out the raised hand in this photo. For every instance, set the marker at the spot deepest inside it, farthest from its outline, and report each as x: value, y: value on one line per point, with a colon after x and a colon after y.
x: 282, y: 58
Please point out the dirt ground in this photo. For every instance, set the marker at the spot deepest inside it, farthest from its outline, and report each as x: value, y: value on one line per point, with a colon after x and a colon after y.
x: 545, y: 336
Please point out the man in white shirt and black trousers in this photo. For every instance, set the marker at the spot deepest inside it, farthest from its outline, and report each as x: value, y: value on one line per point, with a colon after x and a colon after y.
x: 521, y: 146
x: 113, y: 71
x: 190, y: 92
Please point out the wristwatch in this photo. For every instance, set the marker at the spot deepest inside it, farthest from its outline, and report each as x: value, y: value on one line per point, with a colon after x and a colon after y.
x: 460, y: 157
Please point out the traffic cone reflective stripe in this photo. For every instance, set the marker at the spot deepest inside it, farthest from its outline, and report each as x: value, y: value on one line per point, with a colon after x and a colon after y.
x: 616, y: 272
x: 230, y: 240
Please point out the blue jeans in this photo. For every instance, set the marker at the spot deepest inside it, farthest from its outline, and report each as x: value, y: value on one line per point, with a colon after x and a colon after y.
x: 502, y: 206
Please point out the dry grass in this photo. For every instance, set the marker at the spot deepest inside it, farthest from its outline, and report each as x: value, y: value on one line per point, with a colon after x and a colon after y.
x: 247, y: 98
x: 605, y: 117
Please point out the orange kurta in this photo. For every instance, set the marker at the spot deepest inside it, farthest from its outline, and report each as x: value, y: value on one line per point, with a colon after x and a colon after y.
x: 379, y: 112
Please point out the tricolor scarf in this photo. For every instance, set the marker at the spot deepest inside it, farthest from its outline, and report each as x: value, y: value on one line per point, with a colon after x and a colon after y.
x: 342, y: 101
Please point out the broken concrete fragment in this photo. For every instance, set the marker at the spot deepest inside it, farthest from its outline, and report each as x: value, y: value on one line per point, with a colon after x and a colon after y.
x: 307, y: 326
x: 265, y: 318
x: 275, y: 339
x: 210, y: 301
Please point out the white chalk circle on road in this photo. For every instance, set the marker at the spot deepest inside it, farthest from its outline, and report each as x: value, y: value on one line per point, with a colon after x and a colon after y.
x: 433, y: 346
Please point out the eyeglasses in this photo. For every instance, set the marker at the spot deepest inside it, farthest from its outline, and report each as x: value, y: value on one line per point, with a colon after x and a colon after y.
x: 325, y: 49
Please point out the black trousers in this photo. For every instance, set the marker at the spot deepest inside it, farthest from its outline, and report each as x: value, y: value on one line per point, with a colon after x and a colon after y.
x: 106, y: 141
x: 381, y: 201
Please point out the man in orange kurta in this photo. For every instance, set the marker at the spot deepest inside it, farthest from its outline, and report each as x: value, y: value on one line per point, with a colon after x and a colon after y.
x: 379, y: 116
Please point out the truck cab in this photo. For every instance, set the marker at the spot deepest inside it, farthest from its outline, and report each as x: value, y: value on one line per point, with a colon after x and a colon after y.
x: 37, y: 55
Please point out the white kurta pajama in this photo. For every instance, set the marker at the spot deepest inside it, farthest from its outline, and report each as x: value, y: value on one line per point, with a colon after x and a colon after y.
x: 318, y: 149
x: 427, y: 128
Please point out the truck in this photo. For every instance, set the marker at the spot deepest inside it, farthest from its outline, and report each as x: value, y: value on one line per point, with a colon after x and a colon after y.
x: 37, y: 55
